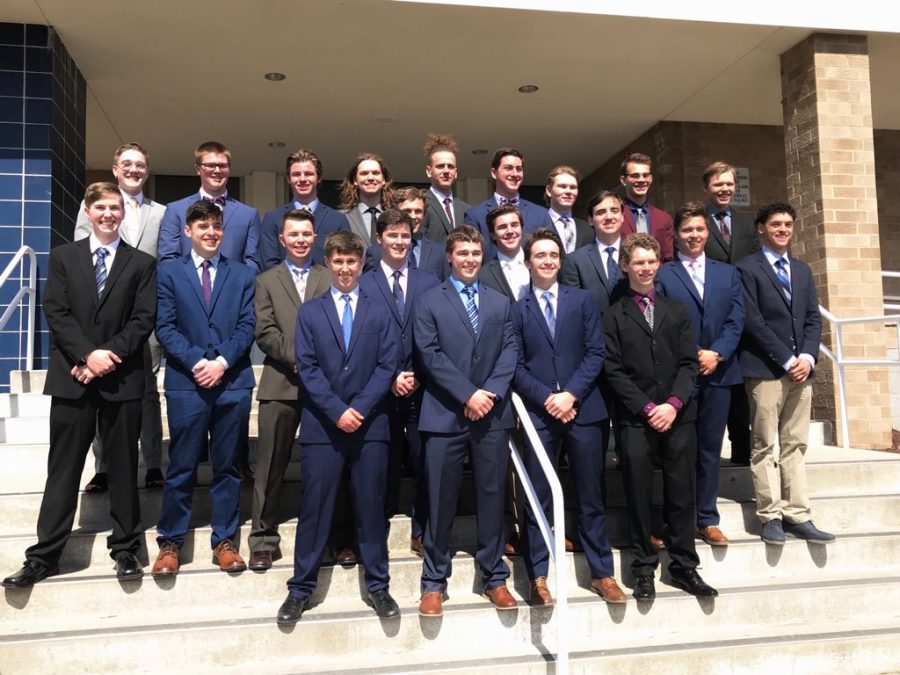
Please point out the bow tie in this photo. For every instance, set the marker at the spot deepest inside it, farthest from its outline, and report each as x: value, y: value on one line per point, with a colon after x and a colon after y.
x: 218, y: 201
x: 504, y: 201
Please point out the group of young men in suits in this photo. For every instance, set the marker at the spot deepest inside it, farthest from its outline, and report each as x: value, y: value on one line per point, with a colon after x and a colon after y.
x: 422, y: 351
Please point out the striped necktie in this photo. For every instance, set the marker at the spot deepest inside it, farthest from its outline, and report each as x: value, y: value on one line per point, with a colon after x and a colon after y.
x: 471, y: 307
x: 782, y: 274
x: 548, y: 312
x: 100, y: 271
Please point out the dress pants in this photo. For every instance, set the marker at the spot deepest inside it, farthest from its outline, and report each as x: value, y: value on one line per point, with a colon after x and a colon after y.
x: 780, y: 413
x: 217, y: 418
x: 406, y: 442
x: 739, y: 424
x: 444, y: 458
x: 676, y: 452
x: 587, y: 460
x: 321, y: 467
x: 278, y: 422
x: 712, y: 415
x: 72, y: 426
x: 151, y: 417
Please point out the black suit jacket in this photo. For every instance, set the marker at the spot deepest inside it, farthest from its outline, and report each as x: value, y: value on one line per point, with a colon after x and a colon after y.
x: 584, y: 233
x: 119, y: 320
x: 643, y: 365
x: 491, y: 275
x: 774, y: 328
x: 436, y: 226
x: 744, y: 239
x: 585, y: 269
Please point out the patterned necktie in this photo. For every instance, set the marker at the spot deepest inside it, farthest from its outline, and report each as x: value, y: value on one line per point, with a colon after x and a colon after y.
x: 100, y: 269
x: 373, y: 220
x: 398, y: 292
x: 300, y: 281
x: 641, y: 224
x: 218, y: 201
x: 723, y: 227
x: 612, y: 270
x: 569, y: 234
x: 448, y: 209
x: 694, y: 266
x: 647, y: 309
x: 782, y: 274
x: 347, y: 321
x: 504, y: 201
x: 548, y: 312
x: 206, y: 283
x: 471, y: 307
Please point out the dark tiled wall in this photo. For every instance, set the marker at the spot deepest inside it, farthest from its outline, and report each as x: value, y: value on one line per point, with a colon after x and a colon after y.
x: 42, y: 121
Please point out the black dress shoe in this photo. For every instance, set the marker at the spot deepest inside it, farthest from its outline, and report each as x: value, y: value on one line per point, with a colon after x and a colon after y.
x: 97, y: 485
x: 32, y: 572
x: 690, y: 582
x: 153, y: 480
x: 385, y: 606
x: 644, y: 588
x: 128, y: 567
x: 291, y: 610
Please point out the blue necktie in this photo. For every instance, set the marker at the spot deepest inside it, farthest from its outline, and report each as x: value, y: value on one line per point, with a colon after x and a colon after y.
x: 413, y: 257
x: 471, y: 307
x: 548, y: 312
x: 781, y: 273
x: 347, y: 321
x: 612, y: 270
x: 398, y: 293
x: 100, y: 269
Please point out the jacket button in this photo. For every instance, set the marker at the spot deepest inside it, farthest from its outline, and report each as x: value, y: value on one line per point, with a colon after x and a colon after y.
x: 346, y: 368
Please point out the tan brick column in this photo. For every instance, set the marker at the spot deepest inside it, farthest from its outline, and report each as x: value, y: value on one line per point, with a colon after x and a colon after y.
x: 831, y: 183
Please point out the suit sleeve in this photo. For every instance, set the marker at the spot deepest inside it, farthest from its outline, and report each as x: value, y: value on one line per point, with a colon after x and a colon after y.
x: 178, y: 347
x: 250, y: 254
x: 379, y: 383
x: 169, y: 235
x: 614, y: 367
x: 688, y: 366
x: 314, y: 383
x: 532, y: 389
x: 568, y: 273
x: 755, y: 326
x: 440, y: 371
x: 269, y: 335
x: 269, y: 250
x: 727, y: 341
x: 238, y: 343
x: 501, y: 376
x: 585, y: 375
x: 812, y: 324
x: 83, y: 226
x: 139, y: 325
x: 66, y: 330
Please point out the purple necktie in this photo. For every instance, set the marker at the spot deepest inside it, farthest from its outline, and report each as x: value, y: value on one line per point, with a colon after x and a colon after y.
x: 206, y: 283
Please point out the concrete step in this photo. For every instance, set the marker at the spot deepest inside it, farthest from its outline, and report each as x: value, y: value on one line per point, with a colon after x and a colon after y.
x: 24, y: 405
x: 333, y: 636
x: 93, y: 589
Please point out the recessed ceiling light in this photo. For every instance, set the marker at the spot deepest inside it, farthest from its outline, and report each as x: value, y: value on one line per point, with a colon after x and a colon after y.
x: 479, y: 151
x: 274, y: 77
x: 276, y: 144
x: 528, y: 88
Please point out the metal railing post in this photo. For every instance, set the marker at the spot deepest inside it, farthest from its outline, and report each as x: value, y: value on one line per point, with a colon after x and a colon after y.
x: 31, y: 292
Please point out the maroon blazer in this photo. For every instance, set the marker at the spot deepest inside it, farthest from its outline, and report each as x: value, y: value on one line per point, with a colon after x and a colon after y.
x: 661, y: 228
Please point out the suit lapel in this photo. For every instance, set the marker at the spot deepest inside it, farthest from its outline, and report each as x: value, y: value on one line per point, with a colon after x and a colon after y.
x: 86, y: 265
x: 318, y: 277
x: 716, y: 235
x: 770, y: 273
x: 383, y: 286
x: 438, y: 208
x: 286, y: 279
x: 495, y: 267
x: 456, y: 302
x: 193, y: 279
x: 684, y: 277
x: 597, y: 262
x: 120, y: 261
x: 534, y: 306
x: 362, y: 308
x: 222, y: 272
x: 358, y: 226
x: 632, y: 312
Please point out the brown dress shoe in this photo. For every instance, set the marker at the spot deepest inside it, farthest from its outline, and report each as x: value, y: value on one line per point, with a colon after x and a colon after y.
x: 226, y: 556
x: 513, y: 546
x: 345, y: 557
x: 657, y: 543
x: 415, y: 545
x: 500, y: 597
x: 260, y: 561
x: 166, y: 561
x: 539, y: 594
x: 712, y: 535
x: 609, y: 590
x: 431, y: 604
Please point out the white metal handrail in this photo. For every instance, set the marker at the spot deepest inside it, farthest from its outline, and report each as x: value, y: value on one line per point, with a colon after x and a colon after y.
x: 31, y: 292
x: 837, y: 356
x: 556, y: 542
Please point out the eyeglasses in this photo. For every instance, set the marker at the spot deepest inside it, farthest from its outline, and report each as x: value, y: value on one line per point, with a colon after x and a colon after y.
x: 212, y: 166
x: 638, y: 176
x: 137, y: 166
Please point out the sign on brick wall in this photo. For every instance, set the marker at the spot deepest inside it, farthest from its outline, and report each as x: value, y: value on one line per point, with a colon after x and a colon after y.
x: 742, y: 187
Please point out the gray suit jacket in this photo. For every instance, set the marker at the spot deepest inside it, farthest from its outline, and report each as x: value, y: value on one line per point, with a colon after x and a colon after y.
x: 148, y: 232
x: 276, y: 304
x: 358, y: 225
x: 436, y: 226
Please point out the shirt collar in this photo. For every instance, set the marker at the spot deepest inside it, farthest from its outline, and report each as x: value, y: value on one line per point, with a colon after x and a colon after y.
x: 139, y: 197
x: 773, y: 257
x: 637, y: 296
x: 440, y: 195
x: 311, y: 207
x: 459, y: 285
x: 700, y: 260
x: 198, y: 260
x: 517, y: 259
x: 291, y: 266
x: 389, y: 271
x: 554, y: 216
x: 95, y: 244
x: 337, y: 293
x: 205, y: 195
x: 615, y: 244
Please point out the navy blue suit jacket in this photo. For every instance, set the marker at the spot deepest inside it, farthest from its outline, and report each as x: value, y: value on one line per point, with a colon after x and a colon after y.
x: 775, y: 329
x: 532, y: 219
x: 240, y: 236
x: 457, y: 361
x: 333, y: 378
x: 718, y: 318
x: 572, y: 359
x: 585, y: 269
x: 271, y: 252
x: 432, y: 258
x: 189, y: 332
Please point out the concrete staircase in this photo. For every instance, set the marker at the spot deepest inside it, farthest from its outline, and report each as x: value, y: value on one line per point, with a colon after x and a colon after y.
x: 797, y: 609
